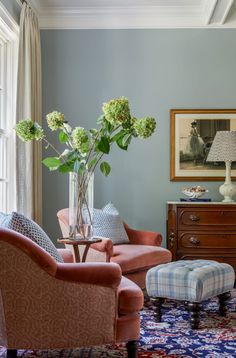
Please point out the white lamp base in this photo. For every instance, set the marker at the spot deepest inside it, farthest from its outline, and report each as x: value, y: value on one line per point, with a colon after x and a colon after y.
x: 228, y: 191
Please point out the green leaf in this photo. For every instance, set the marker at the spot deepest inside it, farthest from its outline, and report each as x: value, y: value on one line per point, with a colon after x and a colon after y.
x: 52, y: 162
x: 73, y: 155
x: 105, y: 168
x: 92, y: 162
x: 118, y: 135
x: 63, y: 137
x: 66, y: 167
x: 120, y: 144
x: 103, y: 145
x: 100, y: 119
x: 126, y: 140
x: 107, y: 126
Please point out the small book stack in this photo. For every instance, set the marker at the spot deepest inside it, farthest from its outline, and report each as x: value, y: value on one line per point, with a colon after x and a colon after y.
x: 196, y: 199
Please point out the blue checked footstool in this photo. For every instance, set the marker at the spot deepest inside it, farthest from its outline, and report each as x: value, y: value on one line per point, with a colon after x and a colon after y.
x: 191, y: 281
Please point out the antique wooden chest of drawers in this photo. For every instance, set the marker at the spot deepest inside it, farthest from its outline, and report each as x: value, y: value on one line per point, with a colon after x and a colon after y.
x: 202, y: 231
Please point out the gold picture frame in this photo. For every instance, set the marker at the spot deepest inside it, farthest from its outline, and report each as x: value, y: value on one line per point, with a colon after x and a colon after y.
x: 191, y: 134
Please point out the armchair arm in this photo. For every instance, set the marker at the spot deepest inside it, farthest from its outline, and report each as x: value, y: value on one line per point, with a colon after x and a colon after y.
x: 139, y: 237
x: 94, y: 273
x: 66, y: 254
x: 106, y: 246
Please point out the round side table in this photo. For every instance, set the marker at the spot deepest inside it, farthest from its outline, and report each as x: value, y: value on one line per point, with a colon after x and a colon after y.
x: 76, y: 243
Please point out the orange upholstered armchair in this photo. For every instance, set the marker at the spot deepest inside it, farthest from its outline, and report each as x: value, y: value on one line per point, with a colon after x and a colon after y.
x: 48, y: 305
x: 135, y: 258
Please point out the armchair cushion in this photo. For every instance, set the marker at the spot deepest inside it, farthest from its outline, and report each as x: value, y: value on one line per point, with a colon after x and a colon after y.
x: 134, y: 258
x: 33, y: 231
x: 108, y: 223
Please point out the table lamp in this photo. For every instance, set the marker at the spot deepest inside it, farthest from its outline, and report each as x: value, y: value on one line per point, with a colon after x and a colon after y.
x: 223, y: 149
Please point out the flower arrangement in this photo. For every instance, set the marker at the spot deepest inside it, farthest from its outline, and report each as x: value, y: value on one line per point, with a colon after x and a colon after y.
x: 86, y: 148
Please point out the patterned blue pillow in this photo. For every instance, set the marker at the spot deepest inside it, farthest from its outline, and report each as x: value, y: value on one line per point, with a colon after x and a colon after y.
x: 33, y: 231
x: 2, y: 217
x: 108, y: 223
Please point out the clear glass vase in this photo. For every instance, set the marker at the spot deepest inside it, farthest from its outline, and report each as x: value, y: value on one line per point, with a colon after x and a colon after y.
x: 81, y: 205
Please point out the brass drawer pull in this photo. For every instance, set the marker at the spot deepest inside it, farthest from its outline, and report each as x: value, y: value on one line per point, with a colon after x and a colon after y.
x: 194, y: 240
x: 171, y: 239
x: 194, y: 217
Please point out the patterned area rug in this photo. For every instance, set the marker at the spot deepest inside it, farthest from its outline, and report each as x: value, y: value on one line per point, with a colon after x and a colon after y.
x: 171, y: 338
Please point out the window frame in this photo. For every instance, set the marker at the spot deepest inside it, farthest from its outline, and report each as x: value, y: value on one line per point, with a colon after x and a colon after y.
x: 9, y: 38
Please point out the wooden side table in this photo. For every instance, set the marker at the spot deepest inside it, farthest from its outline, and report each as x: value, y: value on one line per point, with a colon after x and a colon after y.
x: 76, y: 243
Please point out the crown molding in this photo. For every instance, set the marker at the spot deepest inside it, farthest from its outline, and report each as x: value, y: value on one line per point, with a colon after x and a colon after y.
x: 7, y: 23
x: 221, y: 11
x: 99, y: 14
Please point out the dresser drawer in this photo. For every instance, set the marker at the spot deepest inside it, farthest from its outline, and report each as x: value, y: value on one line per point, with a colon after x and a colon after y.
x: 214, y: 240
x: 209, y: 218
x: 231, y: 260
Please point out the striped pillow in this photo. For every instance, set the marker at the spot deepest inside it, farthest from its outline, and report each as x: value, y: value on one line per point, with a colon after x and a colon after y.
x: 108, y: 223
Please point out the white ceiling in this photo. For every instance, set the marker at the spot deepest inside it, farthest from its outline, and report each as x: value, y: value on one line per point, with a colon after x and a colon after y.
x: 128, y: 14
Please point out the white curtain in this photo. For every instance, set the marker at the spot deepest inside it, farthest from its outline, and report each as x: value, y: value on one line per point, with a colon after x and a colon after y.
x: 29, y: 105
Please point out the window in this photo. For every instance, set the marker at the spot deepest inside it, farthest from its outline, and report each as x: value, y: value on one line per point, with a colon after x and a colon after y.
x: 8, y: 67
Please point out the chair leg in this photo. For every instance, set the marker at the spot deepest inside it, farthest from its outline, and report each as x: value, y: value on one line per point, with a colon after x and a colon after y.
x: 132, y: 349
x: 186, y: 305
x: 11, y: 353
x: 194, y: 314
x: 223, y: 298
x: 158, y: 304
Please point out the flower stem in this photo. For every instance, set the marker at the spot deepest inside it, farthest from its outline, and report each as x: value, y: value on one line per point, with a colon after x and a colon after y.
x: 52, y: 146
x: 69, y: 136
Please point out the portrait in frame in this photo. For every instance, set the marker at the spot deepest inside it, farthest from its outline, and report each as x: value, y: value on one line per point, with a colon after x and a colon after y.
x: 191, y: 137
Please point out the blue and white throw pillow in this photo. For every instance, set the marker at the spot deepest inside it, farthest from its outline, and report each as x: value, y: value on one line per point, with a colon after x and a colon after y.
x: 33, y: 231
x: 2, y: 217
x: 108, y: 223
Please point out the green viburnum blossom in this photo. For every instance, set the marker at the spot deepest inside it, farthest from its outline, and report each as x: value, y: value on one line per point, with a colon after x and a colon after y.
x: 55, y: 120
x: 145, y: 127
x: 82, y: 149
x: 117, y: 111
x: 80, y: 139
x: 28, y: 130
x: 85, y: 148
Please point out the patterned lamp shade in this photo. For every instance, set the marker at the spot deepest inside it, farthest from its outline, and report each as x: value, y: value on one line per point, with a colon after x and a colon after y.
x: 223, y: 148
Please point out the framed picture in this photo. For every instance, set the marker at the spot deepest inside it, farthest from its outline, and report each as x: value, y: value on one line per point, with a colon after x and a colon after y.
x: 192, y: 134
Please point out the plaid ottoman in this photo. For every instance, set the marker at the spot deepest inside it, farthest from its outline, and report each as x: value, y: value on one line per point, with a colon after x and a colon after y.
x: 191, y: 281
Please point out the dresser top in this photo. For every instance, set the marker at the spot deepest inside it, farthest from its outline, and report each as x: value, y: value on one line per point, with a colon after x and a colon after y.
x: 200, y: 203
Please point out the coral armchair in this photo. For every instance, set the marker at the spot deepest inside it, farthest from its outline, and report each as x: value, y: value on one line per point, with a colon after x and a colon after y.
x: 48, y: 305
x: 135, y: 258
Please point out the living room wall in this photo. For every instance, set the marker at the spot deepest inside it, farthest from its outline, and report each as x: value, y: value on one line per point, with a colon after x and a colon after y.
x: 156, y: 70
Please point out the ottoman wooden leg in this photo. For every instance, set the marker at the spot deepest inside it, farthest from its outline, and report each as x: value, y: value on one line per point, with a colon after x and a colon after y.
x: 157, y: 303
x: 11, y: 353
x: 223, y: 298
x: 194, y: 314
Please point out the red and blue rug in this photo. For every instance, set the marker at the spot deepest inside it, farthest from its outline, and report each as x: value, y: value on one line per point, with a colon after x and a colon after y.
x: 171, y: 338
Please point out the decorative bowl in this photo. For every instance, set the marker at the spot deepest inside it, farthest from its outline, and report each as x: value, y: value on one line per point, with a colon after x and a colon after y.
x: 194, y: 192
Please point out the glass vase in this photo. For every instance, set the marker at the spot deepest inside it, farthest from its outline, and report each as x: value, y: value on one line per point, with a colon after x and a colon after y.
x: 81, y: 187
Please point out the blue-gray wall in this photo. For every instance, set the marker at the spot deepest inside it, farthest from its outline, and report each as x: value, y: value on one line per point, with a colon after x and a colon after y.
x: 13, y: 8
x: 156, y: 70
